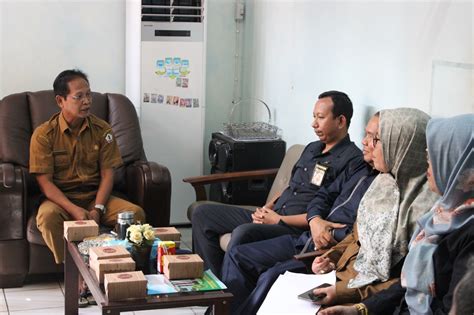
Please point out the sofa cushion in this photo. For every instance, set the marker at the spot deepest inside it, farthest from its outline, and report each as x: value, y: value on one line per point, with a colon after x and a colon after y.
x: 42, y: 105
x: 126, y: 127
x: 15, y: 122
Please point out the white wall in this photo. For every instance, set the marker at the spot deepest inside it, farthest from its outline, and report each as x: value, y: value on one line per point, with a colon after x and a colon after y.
x: 133, y: 10
x: 220, y: 68
x: 379, y: 52
x: 40, y: 38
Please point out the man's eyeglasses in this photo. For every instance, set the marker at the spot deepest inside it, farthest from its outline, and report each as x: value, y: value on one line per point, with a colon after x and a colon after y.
x: 81, y: 97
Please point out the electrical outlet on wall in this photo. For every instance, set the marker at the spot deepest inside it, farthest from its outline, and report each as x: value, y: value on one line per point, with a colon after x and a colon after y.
x: 239, y: 11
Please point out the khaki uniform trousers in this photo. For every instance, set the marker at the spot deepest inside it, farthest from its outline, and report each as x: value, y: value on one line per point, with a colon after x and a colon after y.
x: 51, y: 217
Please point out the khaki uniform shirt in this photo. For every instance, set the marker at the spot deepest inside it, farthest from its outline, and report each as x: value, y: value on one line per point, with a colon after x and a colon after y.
x: 74, y: 162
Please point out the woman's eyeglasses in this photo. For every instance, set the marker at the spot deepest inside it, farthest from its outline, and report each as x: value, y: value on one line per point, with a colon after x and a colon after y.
x: 369, y: 137
x: 375, y: 140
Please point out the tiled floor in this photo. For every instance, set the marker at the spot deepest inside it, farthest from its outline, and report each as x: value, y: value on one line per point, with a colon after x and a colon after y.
x: 47, y: 297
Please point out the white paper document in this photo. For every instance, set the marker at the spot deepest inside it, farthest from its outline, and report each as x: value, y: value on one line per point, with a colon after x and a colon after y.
x: 283, y: 296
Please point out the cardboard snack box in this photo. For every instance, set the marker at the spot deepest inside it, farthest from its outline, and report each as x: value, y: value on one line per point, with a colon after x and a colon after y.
x: 107, y: 252
x: 125, y: 285
x: 167, y: 234
x: 183, y: 266
x: 103, y: 266
x: 78, y: 230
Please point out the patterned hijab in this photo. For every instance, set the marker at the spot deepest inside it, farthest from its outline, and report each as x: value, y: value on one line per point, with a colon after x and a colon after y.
x: 451, y: 152
x: 395, y: 200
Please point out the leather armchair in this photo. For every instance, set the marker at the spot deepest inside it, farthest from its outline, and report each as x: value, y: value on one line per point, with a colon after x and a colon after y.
x: 22, y: 248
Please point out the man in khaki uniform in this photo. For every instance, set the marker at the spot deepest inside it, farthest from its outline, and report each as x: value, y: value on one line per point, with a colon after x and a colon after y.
x: 73, y: 156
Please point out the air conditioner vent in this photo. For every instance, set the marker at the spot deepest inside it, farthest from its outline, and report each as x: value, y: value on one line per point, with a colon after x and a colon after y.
x: 172, y: 11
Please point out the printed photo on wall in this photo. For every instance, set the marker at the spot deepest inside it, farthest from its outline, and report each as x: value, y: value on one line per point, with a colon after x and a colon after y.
x: 176, y: 100
x: 160, y: 67
x: 189, y: 102
x: 185, y: 82
x: 153, y: 98
x: 195, y: 102
x: 146, y: 98
x: 160, y: 99
x: 184, y: 70
x: 169, y: 99
x: 182, y: 102
x: 175, y: 73
x: 177, y: 62
x: 178, y: 82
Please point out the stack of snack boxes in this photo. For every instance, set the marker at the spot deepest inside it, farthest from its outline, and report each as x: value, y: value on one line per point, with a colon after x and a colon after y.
x: 115, y: 268
x: 109, y: 259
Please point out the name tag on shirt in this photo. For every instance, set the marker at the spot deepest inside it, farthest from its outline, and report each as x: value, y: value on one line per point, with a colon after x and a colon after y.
x: 318, y: 174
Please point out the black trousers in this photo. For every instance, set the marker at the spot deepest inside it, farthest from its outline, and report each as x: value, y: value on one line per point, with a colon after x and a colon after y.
x: 250, y: 270
x: 212, y: 220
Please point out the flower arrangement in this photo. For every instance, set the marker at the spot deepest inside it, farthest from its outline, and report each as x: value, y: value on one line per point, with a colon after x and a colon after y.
x: 141, y: 235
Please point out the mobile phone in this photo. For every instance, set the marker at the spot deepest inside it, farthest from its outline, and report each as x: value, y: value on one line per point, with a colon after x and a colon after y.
x: 310, y: 296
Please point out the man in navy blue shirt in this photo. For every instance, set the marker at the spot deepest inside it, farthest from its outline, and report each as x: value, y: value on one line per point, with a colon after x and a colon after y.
x: 320, y: 163
x: 249, y: 270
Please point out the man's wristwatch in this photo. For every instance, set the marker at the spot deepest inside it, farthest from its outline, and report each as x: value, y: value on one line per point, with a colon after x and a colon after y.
x: 101, y: 208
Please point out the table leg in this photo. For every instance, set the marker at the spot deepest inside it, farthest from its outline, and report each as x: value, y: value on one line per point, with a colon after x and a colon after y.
x: 221, y: 308
x: 71, y: 284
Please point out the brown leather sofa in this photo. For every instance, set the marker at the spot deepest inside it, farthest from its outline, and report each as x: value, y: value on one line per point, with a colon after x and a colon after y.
x: 22, y: 249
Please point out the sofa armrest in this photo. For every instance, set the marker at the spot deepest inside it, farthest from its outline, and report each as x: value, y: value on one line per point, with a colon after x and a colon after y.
x: 198, y: 182
x: 149, y: 186
x: 13, y: 192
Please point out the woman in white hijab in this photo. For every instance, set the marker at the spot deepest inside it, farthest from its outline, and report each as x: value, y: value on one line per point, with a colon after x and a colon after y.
x: 370, y: 259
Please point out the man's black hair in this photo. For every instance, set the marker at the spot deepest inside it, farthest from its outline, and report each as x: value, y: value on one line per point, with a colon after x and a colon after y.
x: 61, y: 83
x: 342, y: 104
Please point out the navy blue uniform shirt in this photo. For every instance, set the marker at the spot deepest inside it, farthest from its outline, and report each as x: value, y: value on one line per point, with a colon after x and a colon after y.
x: 296, y: 197
x: 340, y: 201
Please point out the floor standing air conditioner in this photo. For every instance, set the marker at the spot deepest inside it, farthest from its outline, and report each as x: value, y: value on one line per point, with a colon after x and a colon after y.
x: 173, y: 92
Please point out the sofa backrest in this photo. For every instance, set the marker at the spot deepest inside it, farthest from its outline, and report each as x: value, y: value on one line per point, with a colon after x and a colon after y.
x: 284, y: 172
x: 21, y: 113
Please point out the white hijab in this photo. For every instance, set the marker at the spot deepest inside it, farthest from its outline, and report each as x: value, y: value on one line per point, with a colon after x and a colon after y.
x: 388, y: 211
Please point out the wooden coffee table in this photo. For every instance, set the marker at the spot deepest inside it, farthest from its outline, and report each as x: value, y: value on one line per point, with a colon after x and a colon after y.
x: 74, y: 264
